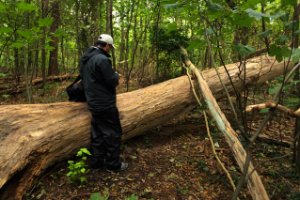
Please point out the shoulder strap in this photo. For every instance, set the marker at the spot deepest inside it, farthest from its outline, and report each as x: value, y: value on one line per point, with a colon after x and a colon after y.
x: 78, y: 78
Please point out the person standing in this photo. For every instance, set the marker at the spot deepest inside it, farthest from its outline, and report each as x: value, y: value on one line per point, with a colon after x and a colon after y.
x: 100, y: 82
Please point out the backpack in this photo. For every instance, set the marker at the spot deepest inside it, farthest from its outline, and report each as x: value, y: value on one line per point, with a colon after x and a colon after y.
x: 75, y: 91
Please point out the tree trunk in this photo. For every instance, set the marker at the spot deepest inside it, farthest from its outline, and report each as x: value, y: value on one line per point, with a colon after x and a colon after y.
x: 44, y: 6
x: 36, y: 136
x: 53, y: 61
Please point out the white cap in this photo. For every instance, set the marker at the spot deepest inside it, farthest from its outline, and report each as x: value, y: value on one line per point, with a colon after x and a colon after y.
x: 107, y: 39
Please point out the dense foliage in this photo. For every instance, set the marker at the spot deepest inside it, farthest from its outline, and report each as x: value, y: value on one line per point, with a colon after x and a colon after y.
x: 47, y: 37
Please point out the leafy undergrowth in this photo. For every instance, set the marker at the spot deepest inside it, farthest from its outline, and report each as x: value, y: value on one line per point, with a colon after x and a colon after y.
x: 175, y: 161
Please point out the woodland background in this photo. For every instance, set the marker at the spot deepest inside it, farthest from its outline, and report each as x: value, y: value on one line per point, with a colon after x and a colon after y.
x: 41, y: 42
x: 47, y: 37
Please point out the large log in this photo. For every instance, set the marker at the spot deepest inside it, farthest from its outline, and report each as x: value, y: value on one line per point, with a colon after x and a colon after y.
x: 35, y: 136
x: 13, y: 89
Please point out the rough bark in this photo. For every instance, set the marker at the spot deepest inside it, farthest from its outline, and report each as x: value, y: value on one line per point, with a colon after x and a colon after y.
x: 255, y: 185
x: 35, y: 136
x: 53, y: 59
x: 273, y: 105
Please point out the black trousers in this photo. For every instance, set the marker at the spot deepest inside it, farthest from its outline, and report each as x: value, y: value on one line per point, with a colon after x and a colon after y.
x: 106, y: 138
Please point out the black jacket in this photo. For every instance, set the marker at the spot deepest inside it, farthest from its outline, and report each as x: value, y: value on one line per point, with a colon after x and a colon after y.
x: 99, y: 79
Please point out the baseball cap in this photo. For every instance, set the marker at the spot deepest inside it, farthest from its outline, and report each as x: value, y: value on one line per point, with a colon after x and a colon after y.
x: 107, y: 39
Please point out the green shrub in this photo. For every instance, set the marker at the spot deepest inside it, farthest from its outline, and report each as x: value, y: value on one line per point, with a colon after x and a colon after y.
x: 78, y: 170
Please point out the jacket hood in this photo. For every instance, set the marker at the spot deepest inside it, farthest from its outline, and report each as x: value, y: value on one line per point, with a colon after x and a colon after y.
x: 88, y: 54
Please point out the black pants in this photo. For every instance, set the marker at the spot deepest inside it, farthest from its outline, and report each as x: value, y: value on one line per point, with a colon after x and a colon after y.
x: 106, y: 138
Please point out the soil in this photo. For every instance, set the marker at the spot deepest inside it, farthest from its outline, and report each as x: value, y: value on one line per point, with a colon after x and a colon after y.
x: 175, y: 161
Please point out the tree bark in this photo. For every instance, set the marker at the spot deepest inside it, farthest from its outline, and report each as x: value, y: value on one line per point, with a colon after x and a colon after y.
x: 44, y: 8
x: 36, y: 136
x: 15, y: 90
x: 53, y: 59
x: 255, y: 185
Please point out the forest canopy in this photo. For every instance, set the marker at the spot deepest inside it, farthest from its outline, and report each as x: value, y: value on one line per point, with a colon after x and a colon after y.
x: 47, y: 37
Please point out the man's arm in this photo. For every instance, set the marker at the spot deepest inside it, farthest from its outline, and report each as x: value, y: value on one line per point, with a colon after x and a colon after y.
x: 110, y: 77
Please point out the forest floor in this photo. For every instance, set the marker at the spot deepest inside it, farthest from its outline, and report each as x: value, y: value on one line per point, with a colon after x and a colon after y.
x: 175, y: 161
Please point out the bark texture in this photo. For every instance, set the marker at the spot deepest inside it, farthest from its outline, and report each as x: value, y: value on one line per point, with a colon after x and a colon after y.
x: 35, y: 136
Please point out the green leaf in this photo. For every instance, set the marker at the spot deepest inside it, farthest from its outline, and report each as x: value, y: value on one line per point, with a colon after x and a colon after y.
x: 265, y: 110
x: 86, y: 151
x: 166, y: 2
x: 96, y: 196
x: 83, y: 170
x: 244, y: 50
x: 279, y: 14
x: 250, y: 4
x: 26, y: 7
x: 69, y: 174
x: 132, y: 197
x: 196, y: 44
x: 6, y: 30
x: 45, y: 22
x: 285, y: 51
x: 83, y: 179
x: 296, y: 55
x: 288, y: 2
x: 274, y: 89
x: 255, y: 14
x: 290, y: 25
x: 70, y: 162
x: 214, y: 7
x: 79, y: 153
x: 48, y: 47
x: 171, y: 27
x: 18, y: 44
x: 26, y: 33
x: 2, y: 7
x: 292, y: 101
x: 173, y: 5
x: 265, y: 33
x: 241, y: 19
x: 279, y: 51
x: 2, y: 75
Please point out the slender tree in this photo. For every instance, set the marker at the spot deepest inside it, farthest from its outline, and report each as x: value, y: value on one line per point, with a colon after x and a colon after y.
x: 53, y: 59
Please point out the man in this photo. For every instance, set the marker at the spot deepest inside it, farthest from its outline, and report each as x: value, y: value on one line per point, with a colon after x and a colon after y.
x: 100, y: 82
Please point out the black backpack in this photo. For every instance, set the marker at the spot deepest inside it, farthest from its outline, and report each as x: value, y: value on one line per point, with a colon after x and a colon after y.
x: 75, y: 91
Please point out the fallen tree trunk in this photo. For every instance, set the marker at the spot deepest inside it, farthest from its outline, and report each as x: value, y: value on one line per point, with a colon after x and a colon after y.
x: 255, y: 185
x: 34, y: 137
x: 13, y: 89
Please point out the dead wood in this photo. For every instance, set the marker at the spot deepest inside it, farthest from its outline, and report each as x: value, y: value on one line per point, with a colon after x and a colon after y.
x: 13, y: 89
x: 255, y: 185
x: 36, y: 136
x: 271, y: 104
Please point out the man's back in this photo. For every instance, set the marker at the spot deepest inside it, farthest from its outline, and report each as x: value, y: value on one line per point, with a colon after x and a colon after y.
x: 99, y: 80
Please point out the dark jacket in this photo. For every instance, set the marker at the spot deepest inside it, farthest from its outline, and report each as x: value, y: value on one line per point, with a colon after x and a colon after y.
x: 99, y: 79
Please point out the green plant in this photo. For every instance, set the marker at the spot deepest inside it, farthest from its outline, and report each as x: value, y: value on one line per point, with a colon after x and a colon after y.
x: 132, y: 197
x: 78, y: 170
x: 105, y: 196
x: 2, y: 75
x: 294, y: 195
x: 291, y: 99
x: 99, y: 196
x: 201, y: 165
